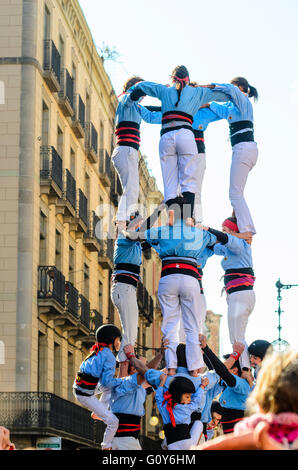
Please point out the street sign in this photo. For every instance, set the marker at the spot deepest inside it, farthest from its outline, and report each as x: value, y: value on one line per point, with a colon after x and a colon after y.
x: 48, y: 443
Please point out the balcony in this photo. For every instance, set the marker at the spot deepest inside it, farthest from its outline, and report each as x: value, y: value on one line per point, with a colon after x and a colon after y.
x: 91, y: 142
x: 105, y: 169
x: 46, y: 414
x: 66, y: 94
x: 51, y: 291
x: 78, y: 119
x: 51, y: 173
x: 106, y: 254
x: 72, y: 300
x: 51, y: 66
x: 90, y: 240
x: 67, y: 204
x: 79, y: 222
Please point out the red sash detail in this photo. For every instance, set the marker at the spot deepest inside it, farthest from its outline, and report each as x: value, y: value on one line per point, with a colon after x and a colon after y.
x: 98, y: 347
x: 180, y: 265
x: 170, y: 405
x: 173, y: 116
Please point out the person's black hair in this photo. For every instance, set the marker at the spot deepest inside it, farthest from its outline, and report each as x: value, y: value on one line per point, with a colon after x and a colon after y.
x: 247, y: 88
x: 180, y: 385
x: 180, y: 72
x: 131, y: 81
x: 236, y: 364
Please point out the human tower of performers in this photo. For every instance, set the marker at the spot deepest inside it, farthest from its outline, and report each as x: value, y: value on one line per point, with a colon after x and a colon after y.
x: 196, y: 390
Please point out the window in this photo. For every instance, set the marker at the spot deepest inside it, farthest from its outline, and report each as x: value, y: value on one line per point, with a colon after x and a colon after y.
x: 43, y: 239
x: 100, y: 297
x: 88, y: 107
x: 57, y: 369
x: 71, y: 265
x: 86, y: 281
x: 74, y: 77
x: 60, y: 141
x: 62, y: 50
x: 58, y: 251
x: 72, y: 162
x: 47, y: 23
x: 45, y: 124
x: 87, y: 190
x: 42, y: 362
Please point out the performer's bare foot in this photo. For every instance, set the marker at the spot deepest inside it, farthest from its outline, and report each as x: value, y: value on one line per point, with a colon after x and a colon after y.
x: 171, y: 371
x: 189, y: 222
x: 94, y: 416
x: 194, y: 373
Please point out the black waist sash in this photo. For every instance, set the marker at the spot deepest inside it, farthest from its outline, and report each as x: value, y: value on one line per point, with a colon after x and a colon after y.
x: 238, y: 279
x: 128, y: 134
x: 178, y: 433
x: 247, y: 136
x: 129, y: 425
x: 179, y: 116
x: 231, y: 417
x: 131, y: 277
x: 179, y: 266
x: 86, y: 382
x: 200, y: 141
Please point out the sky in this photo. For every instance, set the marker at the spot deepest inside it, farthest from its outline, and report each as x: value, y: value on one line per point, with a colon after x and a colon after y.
x: 217, y: 41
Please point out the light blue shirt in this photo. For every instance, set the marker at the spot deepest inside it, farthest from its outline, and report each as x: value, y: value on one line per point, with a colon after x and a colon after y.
x: 127, y: 251
x: 179, y: 240
x: 235, y: 397
x: 182, y: 413
x: 204, y: 256
x: 101, y: 366
x: 191, y: 99
x: 127, y: 110
x: 239, y: 108
x: 236, y: 253
x: 128, y: 397
x: 209, y: 397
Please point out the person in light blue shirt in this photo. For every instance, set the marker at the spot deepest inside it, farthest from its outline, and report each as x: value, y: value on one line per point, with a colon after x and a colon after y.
x: 239, y: 280
x: 176, y: 405
x: 201, y: 120
x: 125, y: 156
x: 239, y: 114
x: 179, y: 246
x: 98, y: 369
x: 177, y: 147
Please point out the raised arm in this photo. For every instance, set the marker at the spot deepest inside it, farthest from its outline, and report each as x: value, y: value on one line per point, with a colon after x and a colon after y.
x: 147, y: 88
x: 219, y: 109
x: 233, y: 92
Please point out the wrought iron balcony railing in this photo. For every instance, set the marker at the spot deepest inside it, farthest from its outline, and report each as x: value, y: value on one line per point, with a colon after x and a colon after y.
x: 44, y: 413
x: 83, y: 207
x: 91, y: 142
x: 70, y: 189
x: 72, y: 299
x: 78, y: 119
x: 51, y: 168
x: 105, y: 170
x: 66, y: 93
x: 51, y: 284
x: 85, y: 311
x: 51, y: 65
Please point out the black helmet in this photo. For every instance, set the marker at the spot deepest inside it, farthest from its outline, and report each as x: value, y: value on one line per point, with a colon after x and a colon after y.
x: 258, y: 348
x: 180, y: 385
x: 107, y: 333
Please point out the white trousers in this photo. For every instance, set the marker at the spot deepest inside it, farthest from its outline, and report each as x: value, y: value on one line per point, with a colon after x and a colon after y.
x: 203, y: 311
x: 179, y: 297
x: 124, y: 297
x: 126, y: 443
x: 179, y: 161
x: 201, y: 168
x: 240, y: 306
x: 126, y: 163
x: 186, y: 444
x: 112, y: 422
x: 244, y: 158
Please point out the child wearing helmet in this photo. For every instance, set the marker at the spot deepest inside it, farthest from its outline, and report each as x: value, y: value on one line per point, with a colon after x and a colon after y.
x: 98, y: 369
x: 176, y: 405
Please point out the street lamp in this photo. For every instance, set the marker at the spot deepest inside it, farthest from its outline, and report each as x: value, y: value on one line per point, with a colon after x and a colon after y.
x: 280, y: 344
